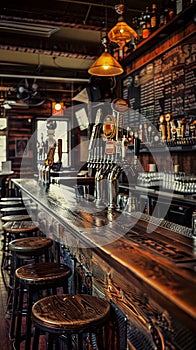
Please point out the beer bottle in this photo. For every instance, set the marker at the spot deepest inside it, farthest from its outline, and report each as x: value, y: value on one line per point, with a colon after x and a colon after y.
x: 154, y: 20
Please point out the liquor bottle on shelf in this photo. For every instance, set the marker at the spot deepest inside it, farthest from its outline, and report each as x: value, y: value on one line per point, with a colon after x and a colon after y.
x: 172, y: 9
x: 120, y: 53
x: 146, y: 26
x: 138, y: 29
x: 128, y: 48
x: 141, y: 22
x: 154, y: 21
x: 164, y: 16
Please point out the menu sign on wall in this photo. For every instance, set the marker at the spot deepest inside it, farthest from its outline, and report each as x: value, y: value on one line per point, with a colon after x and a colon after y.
x: 167, y: 85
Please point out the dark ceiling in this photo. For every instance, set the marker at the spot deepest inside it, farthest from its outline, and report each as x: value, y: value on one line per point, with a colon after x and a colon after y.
x: 58, y: 38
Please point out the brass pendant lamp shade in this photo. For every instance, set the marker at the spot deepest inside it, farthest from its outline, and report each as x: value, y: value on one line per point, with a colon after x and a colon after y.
x: 121, y: 33
x: 105, y: 65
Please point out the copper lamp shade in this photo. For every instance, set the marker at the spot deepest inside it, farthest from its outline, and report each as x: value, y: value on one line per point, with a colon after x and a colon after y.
x: 106, y: 66
x: 121, y: 33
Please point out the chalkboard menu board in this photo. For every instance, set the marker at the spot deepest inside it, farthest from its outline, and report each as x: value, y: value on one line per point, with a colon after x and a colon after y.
x: 165, y: 85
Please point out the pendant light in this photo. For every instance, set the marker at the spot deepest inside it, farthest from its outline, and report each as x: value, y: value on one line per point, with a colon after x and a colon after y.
x: 105, y: 65
x: 121, y: 33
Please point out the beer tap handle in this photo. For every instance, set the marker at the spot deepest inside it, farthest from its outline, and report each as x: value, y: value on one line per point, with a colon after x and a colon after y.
x: 60, y: 150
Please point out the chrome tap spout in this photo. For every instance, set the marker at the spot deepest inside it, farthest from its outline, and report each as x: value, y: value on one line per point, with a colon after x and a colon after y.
x: 100, y: 184
x: 113, y: 186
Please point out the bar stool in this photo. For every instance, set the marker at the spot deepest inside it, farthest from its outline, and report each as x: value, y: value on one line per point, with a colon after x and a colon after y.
x: 24, y: 251
x: 6, y: 204
x: 11, y: 230
x: 19, y: 217
x: 13, y: 210
x: 67, y: 315
x: 31, y: 280
x: 29, y: 248
x: 5, y: 199
x: 11, y: 218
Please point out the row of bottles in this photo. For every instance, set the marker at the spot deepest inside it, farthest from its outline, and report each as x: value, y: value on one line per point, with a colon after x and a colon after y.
x: 153, y: 17
x: 149, y: 21
x: 175, y: 131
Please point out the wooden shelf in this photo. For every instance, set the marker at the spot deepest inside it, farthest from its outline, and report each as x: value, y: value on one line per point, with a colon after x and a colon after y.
x: 163, y: 148
x: 177, y: 22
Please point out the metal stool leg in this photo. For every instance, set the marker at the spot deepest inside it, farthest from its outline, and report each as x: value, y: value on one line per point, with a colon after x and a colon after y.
x: 28, y: 319
x: 36, y: 339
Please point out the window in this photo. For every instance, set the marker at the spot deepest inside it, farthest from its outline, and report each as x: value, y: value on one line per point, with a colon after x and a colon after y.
x: 48, y: 133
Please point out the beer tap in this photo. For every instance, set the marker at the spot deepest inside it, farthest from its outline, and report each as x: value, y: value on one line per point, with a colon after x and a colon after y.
x: 136, y: 150
x: 99, y: 185
x: 113, y: 185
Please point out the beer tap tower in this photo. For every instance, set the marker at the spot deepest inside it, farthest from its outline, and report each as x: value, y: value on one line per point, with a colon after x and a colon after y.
x: 107, y: 150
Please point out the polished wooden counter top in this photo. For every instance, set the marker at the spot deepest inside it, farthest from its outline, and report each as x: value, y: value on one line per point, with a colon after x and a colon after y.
x: 160, y: 261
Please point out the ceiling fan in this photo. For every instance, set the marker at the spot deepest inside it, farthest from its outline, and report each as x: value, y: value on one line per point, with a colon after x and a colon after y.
x: 30, y: 93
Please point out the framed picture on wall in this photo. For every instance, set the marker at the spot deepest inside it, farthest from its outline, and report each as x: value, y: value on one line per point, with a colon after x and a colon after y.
x: 21, y: 147
x: 84, y: 142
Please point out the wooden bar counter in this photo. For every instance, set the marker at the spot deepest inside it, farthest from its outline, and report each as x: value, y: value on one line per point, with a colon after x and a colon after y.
x: 143, y: 265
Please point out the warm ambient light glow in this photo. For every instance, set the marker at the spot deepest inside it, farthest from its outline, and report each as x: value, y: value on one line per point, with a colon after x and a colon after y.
x: 57, y: 107
x: 121, y: 33
x: 105, y: 65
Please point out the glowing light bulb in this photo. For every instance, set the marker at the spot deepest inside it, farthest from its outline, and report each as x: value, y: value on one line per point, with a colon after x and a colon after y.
x: 57, y: 106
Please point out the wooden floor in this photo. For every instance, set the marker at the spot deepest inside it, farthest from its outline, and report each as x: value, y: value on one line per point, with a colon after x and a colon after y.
x: 6, y: 344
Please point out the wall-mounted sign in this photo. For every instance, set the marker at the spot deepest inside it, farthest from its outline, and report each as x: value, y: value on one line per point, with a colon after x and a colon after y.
x: 3, y: 123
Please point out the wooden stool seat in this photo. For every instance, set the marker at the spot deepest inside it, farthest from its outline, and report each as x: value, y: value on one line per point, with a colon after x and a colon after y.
x: 28, y: 250
x: 68, y: 314
x: 32, y: 279
x: 11, y: 204
x: 11, y: 231
x: 19, y: 217
x: 13, y: 210
x: 30, y: 246
x: 42, y: 273
x: 16, y: 227
x: 7, y: 199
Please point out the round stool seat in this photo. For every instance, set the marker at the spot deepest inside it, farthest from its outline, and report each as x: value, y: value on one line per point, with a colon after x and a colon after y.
x: 16, y: 227
x: 6, y: 199
x: 13, y: 210
x: 30, y: 246
x: 31, y: 279
x: 68, y: 312
x: 10, y: 204
x: 19, y: 217
x: 14, y: 230
x: 43, y: 273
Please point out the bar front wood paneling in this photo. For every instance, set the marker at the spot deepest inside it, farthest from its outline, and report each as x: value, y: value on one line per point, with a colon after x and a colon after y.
x: 148, y: 274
